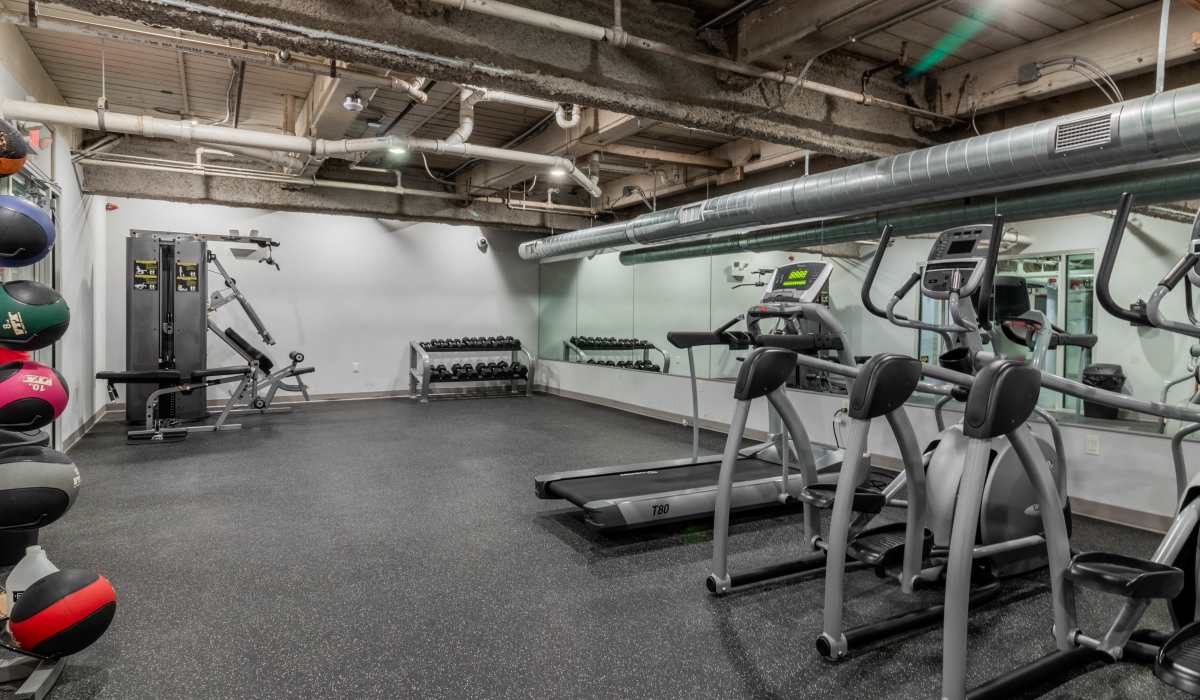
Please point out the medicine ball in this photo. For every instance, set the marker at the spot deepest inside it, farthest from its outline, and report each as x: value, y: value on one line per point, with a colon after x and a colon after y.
x: 32, y: 315
x: 12, y: 149
x: 63, y: 613
x: 26, y: 232
x: 32, y: 395
x: 37, y: 486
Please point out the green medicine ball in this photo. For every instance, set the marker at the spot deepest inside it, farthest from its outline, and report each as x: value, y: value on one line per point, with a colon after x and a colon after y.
x: 32, y: 315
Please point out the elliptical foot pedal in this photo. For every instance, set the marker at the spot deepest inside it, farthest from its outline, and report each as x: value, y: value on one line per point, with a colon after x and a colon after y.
x: 1124, y: 576
x: 883, y: 546
x: 866, y: 500
x: 1178, y: 663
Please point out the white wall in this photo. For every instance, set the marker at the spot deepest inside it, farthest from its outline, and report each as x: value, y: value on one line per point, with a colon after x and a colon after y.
x: 79, y: 245
x: 351, y: 290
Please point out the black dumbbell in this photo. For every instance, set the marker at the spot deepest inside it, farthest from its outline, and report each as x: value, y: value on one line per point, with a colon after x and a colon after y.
x: 519, y: 370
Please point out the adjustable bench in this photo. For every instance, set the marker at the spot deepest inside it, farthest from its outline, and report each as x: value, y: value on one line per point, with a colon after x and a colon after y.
x: 161, y: 424
x: 264, y: 375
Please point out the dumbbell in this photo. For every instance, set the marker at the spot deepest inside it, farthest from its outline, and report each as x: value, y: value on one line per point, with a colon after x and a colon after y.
x: 483, y: 371
x: 590, y: 361
x: 519, y: 370
x: 503, y: 371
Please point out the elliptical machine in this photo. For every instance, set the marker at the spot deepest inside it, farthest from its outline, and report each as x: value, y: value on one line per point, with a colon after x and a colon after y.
x: 791, y: 301
x: 1170, y: 574
x: 1006, y: 540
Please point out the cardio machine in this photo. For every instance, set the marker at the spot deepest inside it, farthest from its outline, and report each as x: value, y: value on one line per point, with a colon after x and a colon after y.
x: 1169, y: 574
x: 1006, y: 534
x: 636, y: 495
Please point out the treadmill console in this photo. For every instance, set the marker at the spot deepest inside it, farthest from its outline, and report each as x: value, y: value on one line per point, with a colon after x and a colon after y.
x: 800, y: 283
x: 791, y: 287
x: 958, y: 250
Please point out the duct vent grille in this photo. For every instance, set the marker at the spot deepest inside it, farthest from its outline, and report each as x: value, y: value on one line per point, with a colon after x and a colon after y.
x: 1089, y: 132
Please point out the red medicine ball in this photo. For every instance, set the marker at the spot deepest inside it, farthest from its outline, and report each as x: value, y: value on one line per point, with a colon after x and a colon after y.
x: 63, y: 613
x: 32, y: 395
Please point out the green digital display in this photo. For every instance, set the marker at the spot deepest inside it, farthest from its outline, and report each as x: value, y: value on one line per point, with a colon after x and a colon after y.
x: 797, y: 278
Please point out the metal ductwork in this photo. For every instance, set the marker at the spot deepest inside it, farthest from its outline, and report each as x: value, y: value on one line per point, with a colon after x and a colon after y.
x: 1151, y: 187
x: 1090, y: 143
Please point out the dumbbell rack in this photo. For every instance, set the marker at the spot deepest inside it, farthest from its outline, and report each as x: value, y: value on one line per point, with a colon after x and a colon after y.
x: 573, y: 349
x: 421, y: 383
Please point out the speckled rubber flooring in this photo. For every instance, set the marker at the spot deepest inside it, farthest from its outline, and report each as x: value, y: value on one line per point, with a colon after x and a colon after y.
x: 383, y: 549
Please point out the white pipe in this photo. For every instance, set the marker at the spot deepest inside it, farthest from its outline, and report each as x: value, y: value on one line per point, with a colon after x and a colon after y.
x: 621, y: 38
x: 563, y: 120
x: 467, y: 99
x: 164, y: 165
x: 1160, y: 72
x: 510, y: 98
x: 184, y: 131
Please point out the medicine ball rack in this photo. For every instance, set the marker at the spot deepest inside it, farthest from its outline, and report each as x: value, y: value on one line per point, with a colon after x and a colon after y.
x: 470, y: 380
x: 580, y: 346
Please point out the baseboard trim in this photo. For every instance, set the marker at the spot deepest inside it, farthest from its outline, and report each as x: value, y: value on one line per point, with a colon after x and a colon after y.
x: 1118, y: 515
x: 72, y: 439
x: 667, y: 416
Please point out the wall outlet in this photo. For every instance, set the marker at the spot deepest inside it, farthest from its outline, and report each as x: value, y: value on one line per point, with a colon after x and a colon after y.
x: 1092, y: 444
x: 354, y: 367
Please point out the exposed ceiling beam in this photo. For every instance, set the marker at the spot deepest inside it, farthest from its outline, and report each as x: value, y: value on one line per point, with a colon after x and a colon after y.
x: 460, y: 48
x: 658, y: 156
x: 793, y: 31
x: 1123, y: 45
x: 746, y: 157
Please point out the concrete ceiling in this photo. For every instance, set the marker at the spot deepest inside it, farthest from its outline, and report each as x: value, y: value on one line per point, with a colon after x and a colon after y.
x: 653, y: 156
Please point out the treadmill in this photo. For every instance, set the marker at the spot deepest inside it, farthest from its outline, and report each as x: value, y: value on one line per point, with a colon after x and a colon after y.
x: 638, y: 495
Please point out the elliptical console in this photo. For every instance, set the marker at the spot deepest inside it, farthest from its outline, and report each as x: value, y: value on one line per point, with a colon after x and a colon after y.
x: 957, y: 262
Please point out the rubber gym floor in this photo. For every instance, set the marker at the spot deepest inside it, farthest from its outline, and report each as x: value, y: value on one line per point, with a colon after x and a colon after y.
x: 384, y: 549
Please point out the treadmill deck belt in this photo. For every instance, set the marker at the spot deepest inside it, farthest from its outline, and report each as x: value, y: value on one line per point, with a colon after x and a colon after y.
x: 652, y: 481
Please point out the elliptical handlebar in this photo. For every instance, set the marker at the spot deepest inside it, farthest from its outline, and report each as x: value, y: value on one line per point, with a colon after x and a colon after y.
x: 885, y: 239
x: 987, y: 286
x: 1137, y: 317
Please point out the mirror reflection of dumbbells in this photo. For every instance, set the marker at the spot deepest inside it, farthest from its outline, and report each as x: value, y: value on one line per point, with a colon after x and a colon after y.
x: 588, y: 342
x: 642, y: 365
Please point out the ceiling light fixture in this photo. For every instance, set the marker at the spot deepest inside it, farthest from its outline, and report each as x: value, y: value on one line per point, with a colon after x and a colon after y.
x: 353, y: 103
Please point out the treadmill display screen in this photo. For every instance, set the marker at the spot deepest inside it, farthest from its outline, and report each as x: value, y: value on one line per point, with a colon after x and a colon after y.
x: 797, y: 277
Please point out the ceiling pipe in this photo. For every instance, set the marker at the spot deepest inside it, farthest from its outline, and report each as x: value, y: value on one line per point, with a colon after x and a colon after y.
x: 1151, y: 187
x: 565, y: 115
x: 210, y: 170
x: 621, y: 38
x: 185, y: 131
x: 1093, y: 143
x: 467, y: 99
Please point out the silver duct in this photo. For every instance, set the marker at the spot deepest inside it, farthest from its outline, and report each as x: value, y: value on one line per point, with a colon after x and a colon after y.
x: 1089, y: 143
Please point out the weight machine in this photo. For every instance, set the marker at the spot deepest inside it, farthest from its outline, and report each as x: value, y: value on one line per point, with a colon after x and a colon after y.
x: 266, y: 381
